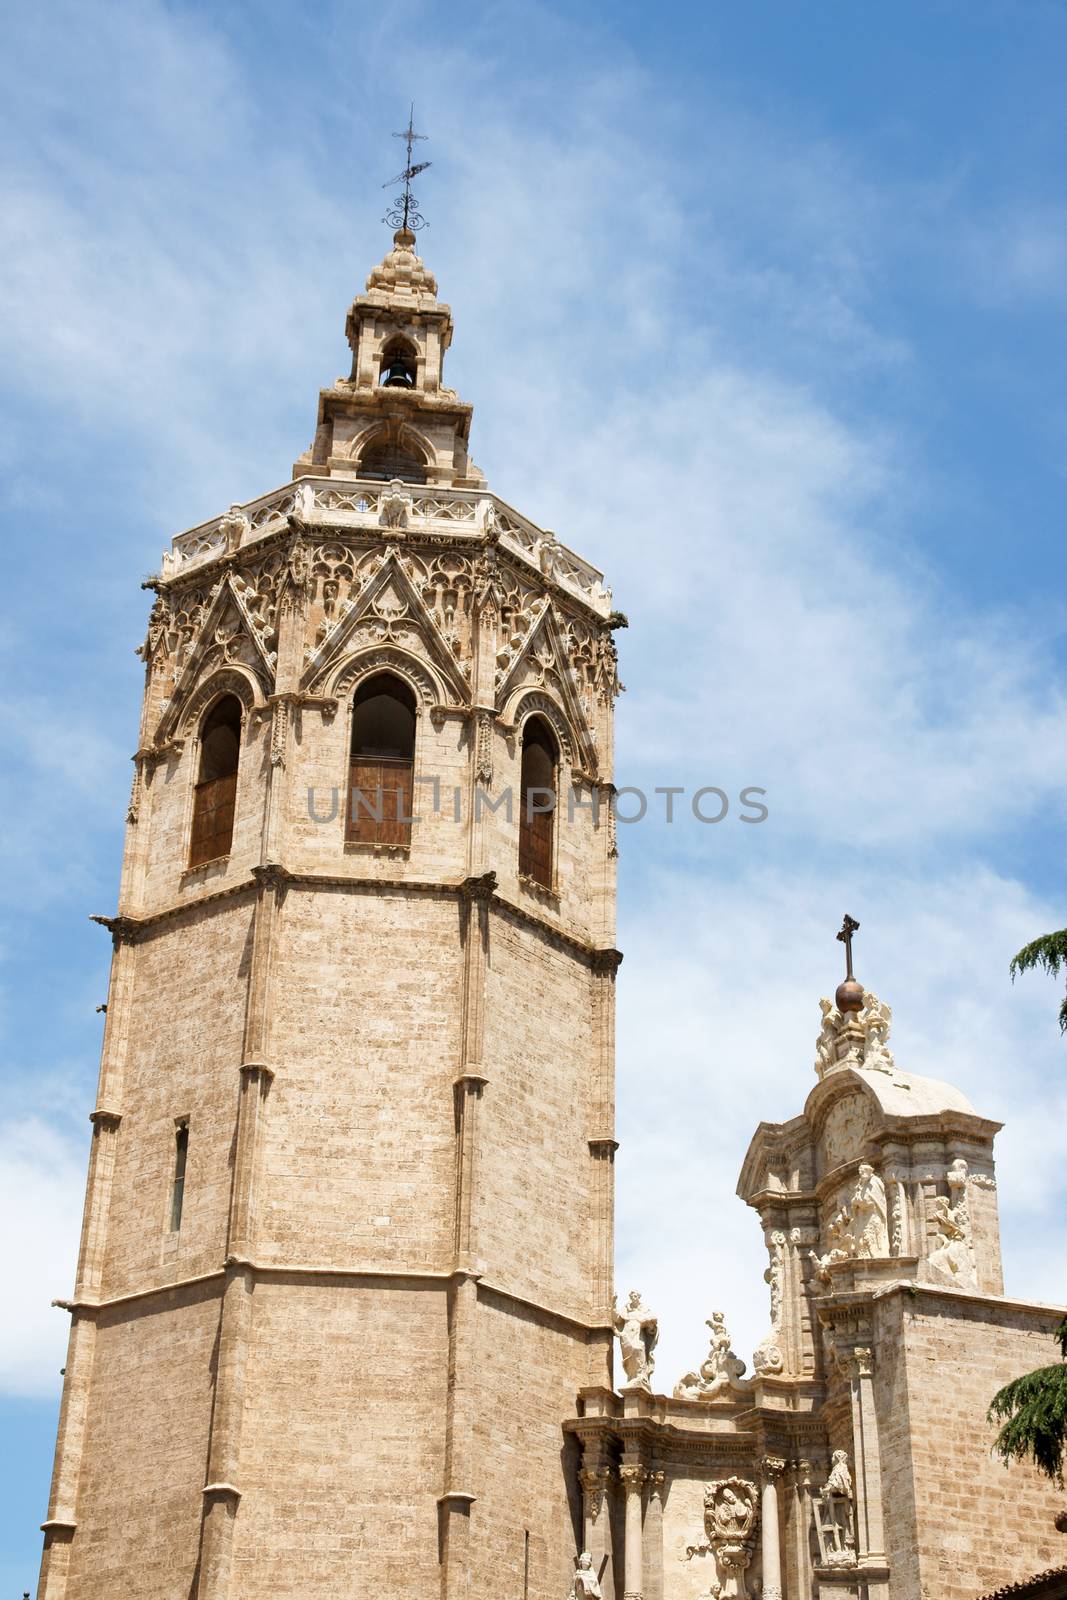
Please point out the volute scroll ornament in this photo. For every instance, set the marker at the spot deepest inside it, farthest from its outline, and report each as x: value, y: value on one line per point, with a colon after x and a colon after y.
x: 721, y: 1372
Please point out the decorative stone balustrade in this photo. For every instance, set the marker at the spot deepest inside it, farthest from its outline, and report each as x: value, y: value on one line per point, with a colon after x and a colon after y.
x: 337, y: 503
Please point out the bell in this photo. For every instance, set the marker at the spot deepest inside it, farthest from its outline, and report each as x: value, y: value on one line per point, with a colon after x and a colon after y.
x: 398, y: 376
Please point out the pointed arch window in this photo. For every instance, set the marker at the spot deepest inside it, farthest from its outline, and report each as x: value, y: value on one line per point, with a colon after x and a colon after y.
x: 390, y: 455
x: 540, y: 762
x: 382, y: 763
x: 216, y: 789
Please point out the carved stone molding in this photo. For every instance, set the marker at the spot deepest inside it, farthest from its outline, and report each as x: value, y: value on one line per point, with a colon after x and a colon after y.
x: 123, y: 930
x: 772, y: 1468
x: 596, y: 1482
x: 483, y: 759
x: 271, y: 875
x: 480, y: 888
x: 103, y: 1118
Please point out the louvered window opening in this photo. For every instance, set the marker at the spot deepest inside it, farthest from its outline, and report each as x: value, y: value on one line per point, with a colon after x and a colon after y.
x: 537, y: 826
x: 381, y: 764
x: 389, y: 461
x: 215, y: 796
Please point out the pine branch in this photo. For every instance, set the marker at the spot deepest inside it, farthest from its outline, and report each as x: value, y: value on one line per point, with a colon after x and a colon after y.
x: 1049, y: 953
x: 1033, y: 1410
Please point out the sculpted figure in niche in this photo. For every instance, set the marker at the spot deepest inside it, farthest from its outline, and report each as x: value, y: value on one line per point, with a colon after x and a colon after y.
x: 840, y: 1479
x: 729, y: 1527
x: 869, y: 1211
x: 638, y: 1332
x: 586, y: 1584
x: 832, y: 1513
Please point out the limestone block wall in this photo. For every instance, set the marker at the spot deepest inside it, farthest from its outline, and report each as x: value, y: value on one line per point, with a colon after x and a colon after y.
x: 526, y: 1521
x: 358, y: 1143
x: 189, y: 980
x: 149, y: 1414
x: 535, y: 1199
x: 343, y: 1439
x: 958, y: 1521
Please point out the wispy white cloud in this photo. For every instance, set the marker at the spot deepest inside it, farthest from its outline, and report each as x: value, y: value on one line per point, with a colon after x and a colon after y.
x: 667, y: 378
x: 42, y: 1177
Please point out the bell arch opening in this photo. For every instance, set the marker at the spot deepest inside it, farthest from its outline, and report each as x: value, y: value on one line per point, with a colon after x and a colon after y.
x: 391, y: 454
x: 398, y: 365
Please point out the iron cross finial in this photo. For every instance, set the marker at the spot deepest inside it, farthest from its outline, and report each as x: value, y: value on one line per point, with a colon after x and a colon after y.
x: 403, y: 214
x: 848, y: 928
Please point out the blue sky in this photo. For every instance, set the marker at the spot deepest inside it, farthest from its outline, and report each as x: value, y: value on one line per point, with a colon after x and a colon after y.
x: 761, y: 308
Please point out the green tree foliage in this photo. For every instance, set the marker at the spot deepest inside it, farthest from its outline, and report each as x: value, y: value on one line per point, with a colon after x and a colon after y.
x: 1050, y: 953
x: 1033, y: 1411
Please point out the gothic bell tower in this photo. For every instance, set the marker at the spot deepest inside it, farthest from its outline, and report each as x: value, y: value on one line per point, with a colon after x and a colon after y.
x: 346, y: 1254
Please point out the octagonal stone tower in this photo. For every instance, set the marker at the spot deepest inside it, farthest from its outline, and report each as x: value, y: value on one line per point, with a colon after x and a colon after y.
x: 346, y: 1256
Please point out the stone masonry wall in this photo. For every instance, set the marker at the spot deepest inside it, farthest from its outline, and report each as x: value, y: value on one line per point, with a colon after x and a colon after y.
x: 146, y: 1446
x: 974, y: 1523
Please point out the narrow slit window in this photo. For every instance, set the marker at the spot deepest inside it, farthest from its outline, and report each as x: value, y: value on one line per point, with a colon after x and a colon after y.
x: 177, y: 1193
x: 382, y: 763
x: 216, y: 789
x: 537, y: 811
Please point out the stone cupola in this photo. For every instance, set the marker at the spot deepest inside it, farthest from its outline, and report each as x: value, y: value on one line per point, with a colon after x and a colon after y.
x: 392, y: 417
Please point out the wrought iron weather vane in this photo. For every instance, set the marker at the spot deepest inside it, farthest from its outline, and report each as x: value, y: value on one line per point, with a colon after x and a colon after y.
x: 403, y: 215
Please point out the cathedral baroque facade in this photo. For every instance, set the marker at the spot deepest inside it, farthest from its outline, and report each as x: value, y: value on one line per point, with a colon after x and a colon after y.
x: 344, y: 1314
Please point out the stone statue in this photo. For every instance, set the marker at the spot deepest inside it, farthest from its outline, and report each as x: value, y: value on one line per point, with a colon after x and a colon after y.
x: 877, y: 1020
x: 826, y: 1043
x: 870, y: 1213
x: 952, y: 1255
x: 839, y: 1239
x: 586, y: 1584
x: 832, y: 1514
x: 840, y: 1479
x: 720, y: 1371
x: 638, y: 1332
